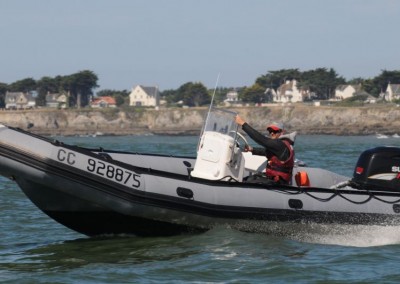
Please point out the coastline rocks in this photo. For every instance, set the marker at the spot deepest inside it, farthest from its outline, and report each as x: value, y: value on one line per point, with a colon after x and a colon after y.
x: 178, y: 121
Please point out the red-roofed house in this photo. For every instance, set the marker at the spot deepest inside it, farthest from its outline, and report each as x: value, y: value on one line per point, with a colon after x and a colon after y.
x: 101, y: 102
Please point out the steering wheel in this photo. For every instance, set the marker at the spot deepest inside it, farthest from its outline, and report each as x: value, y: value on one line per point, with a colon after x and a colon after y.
x: 244, y: 140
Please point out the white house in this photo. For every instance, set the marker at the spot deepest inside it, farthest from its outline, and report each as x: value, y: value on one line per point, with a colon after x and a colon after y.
x: 392, y: 92
x: 57, y: 100
x: 346, y: 91
x: 144, y: 96
x: 288, y: 92
x: 19, y: 100
x: 232, y: 96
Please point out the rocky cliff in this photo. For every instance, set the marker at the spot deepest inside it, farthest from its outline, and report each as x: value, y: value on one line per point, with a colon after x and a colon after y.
x: 302, y: 118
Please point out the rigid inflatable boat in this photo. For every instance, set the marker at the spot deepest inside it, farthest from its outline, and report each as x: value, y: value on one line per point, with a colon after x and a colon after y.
x: 97, y: 191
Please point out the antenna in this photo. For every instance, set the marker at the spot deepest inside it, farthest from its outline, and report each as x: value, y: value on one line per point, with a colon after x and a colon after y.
x: 212, y: 100
x: 215, y: 89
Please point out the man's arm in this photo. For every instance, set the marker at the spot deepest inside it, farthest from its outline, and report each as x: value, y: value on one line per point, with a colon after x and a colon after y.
x: 275, y: 146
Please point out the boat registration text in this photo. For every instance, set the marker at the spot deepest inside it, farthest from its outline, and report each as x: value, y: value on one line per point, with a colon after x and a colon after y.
x: 99, y: 167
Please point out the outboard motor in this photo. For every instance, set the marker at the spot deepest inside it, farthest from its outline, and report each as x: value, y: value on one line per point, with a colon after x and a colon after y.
x: 378, y: 169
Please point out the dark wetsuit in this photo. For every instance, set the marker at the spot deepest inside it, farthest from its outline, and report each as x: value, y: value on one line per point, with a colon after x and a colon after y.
x: 281, y: 158
x: 274, y: 147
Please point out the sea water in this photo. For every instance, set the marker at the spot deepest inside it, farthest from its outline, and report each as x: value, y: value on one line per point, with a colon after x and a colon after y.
x: 36, y: 249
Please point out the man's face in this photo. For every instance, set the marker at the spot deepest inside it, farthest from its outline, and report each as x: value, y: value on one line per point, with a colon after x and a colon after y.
x: 274, y: 134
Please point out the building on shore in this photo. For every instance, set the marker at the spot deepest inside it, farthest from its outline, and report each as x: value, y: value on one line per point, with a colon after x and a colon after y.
x: 103, y: 102
x: 343, y: 92
x: 144, y: 96
x: 289, y: 93
x: 57, y: 100
x: 392, y: 93
x: 19, y: 100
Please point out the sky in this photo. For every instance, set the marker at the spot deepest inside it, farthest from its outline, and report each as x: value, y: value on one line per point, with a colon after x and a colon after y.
x: 167, y: 43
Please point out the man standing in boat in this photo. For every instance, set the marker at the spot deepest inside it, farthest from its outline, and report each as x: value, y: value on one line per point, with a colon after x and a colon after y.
x: 278, y: 148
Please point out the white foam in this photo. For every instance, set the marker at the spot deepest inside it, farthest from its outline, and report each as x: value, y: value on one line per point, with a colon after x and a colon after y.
x: 350, y: 235
x: 332, y: 234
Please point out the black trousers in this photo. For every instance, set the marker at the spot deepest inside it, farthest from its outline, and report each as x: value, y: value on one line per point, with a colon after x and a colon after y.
x: 263, y: 179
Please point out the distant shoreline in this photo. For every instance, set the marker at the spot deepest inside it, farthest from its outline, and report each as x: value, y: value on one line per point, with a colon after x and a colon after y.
x: 330, y: 120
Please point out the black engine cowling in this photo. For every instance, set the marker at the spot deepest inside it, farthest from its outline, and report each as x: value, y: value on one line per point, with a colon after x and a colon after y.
x: 378, y: 169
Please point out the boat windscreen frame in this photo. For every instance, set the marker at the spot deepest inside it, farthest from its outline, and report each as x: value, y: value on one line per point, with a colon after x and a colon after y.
x: 220, y: 121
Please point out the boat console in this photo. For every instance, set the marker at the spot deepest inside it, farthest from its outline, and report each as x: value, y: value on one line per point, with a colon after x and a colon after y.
x: 218, y: 158
x: 218, y: 154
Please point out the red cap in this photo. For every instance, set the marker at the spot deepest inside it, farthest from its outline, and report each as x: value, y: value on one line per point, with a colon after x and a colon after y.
x: 275, y: 126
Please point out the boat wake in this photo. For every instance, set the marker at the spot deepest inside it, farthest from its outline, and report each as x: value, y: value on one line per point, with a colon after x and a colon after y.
x: 384, y: 136
x: 329, y: 234
x: 351, y: 235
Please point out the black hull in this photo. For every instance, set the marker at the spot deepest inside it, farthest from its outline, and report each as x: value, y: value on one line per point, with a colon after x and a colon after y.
x: 96, y: 220
x: 113, y: 223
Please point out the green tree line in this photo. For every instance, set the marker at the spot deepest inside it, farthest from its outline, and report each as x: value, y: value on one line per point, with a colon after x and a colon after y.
x: 321, y: 82
x: 78, y: 86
